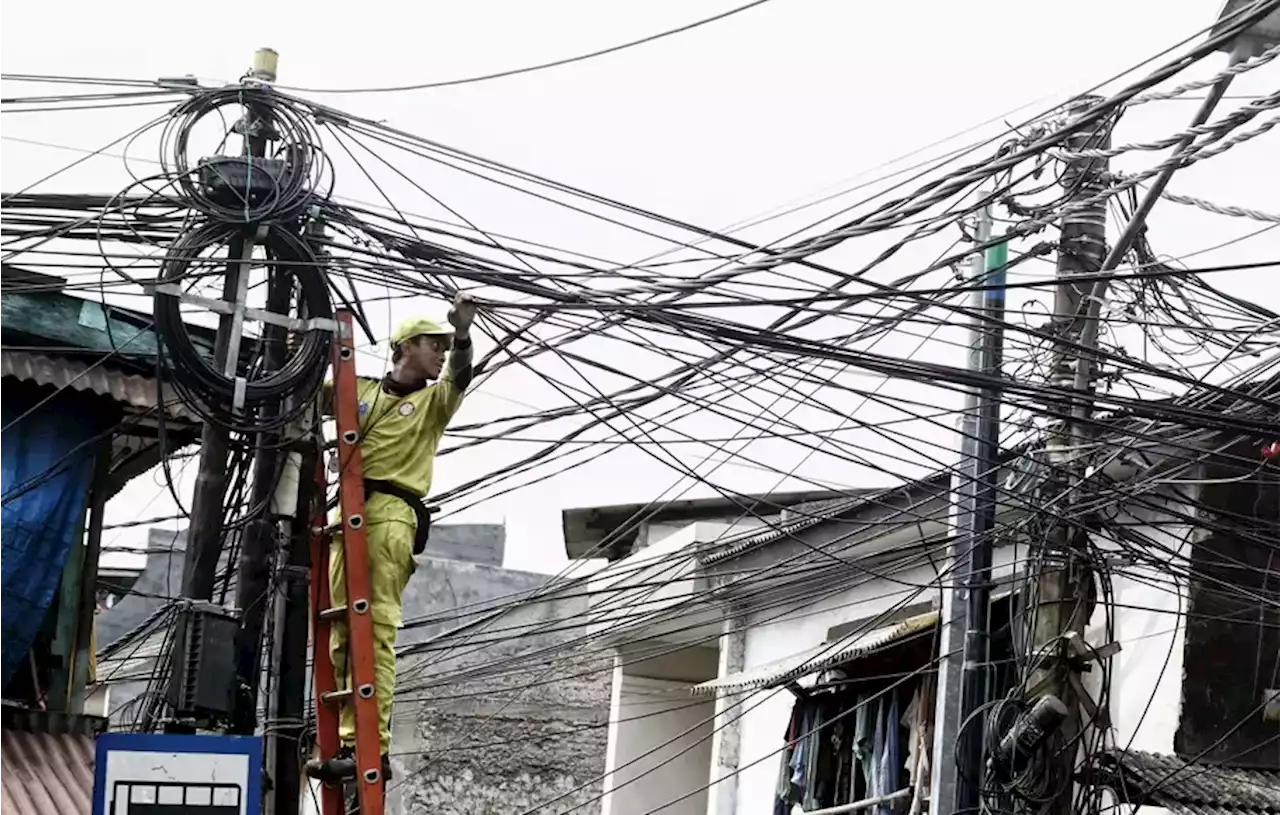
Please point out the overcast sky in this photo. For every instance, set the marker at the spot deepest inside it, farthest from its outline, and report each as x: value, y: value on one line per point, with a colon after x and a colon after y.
x: 779, y: 104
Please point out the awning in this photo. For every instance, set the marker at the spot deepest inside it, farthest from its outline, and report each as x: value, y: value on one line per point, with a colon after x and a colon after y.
x: 134, y: 390
x: 812, y: 660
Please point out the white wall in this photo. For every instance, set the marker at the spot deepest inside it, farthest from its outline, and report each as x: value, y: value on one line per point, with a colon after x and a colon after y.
x: 1150, y: 625
x: 648, y: 713
x: 98, y: 702
x: 645, y: 591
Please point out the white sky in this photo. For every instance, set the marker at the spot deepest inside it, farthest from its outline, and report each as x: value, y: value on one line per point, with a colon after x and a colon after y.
x: 775, y: 105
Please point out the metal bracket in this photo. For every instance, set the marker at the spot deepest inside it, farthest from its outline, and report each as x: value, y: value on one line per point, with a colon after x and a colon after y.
x: 251, y: 314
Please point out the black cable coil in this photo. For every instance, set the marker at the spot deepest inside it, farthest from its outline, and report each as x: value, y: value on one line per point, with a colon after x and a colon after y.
x: 285, y: 183
x: 193, y: 369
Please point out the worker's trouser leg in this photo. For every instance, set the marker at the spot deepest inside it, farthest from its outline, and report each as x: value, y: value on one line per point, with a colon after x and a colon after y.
x: 390, y: 565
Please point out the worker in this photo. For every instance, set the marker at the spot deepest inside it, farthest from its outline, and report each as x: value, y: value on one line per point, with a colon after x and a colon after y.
x: 402, y: 419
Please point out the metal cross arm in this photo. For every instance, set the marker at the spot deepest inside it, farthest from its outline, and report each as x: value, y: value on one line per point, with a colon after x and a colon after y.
x: 219, y: 306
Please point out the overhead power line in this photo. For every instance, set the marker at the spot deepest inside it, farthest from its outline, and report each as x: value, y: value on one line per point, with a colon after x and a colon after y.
x: 613, y: 49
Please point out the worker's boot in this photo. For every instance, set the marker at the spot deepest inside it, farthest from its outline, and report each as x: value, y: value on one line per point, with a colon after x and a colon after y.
x: 342, y: 766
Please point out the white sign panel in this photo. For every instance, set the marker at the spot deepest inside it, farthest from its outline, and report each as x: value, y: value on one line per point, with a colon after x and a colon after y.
x: 155, y: 774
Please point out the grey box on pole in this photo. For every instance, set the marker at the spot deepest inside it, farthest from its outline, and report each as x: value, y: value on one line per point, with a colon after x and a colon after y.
x: 205, y: 662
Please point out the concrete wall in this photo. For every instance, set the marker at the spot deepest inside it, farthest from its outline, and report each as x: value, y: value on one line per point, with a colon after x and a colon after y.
x: 506, y: 716
x: 1150, y: 625
x: 160, y: 578
x: 498, y: 720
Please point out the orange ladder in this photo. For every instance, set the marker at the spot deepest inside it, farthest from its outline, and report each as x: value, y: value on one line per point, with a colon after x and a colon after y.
x: 355, y: 552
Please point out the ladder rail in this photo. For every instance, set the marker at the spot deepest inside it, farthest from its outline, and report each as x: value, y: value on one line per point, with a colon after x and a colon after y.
x: 355, y: 553
x: 331, y: 802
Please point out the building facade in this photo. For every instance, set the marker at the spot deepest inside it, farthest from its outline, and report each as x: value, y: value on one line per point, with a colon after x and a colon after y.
x: 795, y: 668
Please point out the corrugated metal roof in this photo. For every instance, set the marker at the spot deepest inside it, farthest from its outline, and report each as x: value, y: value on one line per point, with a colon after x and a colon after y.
x: 915, y: 490
x: 47, y: 773
x: 44, y: 773
x: 812, y: 660
x: 1189, y: 788
x: 64, y: 372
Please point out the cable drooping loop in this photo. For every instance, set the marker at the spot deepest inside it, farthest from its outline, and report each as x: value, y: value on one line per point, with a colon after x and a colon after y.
x: 263, y: 188
x: 196, y: 371
x: 251, y: 203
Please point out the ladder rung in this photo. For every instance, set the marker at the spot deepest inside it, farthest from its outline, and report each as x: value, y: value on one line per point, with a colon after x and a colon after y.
x: 337, y: 696
x: 335, y: 613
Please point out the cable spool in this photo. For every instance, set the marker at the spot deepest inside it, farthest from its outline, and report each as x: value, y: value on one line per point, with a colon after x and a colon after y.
x: 193, y: 371
x: 247, y: 188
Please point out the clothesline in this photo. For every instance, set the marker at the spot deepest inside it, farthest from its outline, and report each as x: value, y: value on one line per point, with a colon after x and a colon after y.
x: 865, y: 803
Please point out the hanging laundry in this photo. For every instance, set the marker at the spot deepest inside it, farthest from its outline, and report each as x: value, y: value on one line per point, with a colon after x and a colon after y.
x: 887, y: 759
x: 863, y: 740
x: 782, y: 791
x: 819, y: 771
x: 797, y: 755
x: 909, y: 721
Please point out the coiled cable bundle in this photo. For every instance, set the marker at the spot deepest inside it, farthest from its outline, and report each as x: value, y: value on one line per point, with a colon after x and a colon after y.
x: 248, y: 188
x: 257, y: 198
x: 193, y: 370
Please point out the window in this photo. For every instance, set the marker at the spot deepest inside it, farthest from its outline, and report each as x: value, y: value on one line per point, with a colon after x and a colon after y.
x: 864, y: 728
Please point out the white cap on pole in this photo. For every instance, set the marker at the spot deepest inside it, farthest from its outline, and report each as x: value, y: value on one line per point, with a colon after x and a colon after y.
x: 265, y: 62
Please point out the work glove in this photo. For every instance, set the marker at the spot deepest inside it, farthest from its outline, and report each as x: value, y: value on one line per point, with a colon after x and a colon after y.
x: 463, y: 313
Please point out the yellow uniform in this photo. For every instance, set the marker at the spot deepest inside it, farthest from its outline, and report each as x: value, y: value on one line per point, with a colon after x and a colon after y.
x: 399, y: 437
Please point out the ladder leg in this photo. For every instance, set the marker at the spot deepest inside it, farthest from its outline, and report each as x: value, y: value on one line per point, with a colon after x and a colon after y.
x: 331, y: 802
x: 369, y: 780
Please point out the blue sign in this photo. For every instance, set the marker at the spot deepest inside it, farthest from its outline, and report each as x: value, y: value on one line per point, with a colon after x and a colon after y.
x: 159, y: 774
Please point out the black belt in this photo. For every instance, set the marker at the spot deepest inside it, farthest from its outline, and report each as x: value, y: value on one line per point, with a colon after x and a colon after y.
x: 420, y: 510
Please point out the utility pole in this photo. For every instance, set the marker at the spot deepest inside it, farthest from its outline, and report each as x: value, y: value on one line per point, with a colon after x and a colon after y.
x: 204, y: 535
x: 964, y: 642
x: 1063, y: 586
x: 205, y: 532
x: 258, y: 550
x: 1062, y: 602
x: 286, y: 722
x: 294, y: 504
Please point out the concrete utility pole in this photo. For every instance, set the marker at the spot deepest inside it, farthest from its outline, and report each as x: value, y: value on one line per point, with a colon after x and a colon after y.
x: 1062, y: 588
x: 964, y: 642
x: 204, y: 535
x: 294, y: 503
x: 205, y: 532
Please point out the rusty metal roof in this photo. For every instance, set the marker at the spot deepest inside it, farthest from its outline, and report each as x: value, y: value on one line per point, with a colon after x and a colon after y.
x: 48, y: 764
x: 60, y: 372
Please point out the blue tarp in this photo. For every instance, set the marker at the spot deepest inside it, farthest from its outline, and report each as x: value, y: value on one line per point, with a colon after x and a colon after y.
x: 53, y: 447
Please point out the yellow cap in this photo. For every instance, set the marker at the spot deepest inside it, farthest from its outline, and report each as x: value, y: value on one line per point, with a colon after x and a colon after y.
x: 417, y: 327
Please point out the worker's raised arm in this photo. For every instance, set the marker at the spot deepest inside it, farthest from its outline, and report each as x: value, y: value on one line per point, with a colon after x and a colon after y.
x: 447, y: 393
x: 461, y: 316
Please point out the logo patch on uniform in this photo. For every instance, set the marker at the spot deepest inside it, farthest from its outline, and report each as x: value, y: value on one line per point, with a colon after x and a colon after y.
x: 406, y: 408
x: 364, y: 408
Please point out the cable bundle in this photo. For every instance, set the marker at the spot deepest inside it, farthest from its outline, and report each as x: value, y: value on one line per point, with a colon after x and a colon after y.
x: 193, y: 369
x: 243, y: 198
x: 293, y: 175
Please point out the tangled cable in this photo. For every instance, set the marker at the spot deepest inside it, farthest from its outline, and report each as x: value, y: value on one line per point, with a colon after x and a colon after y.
x: 192, y: 368
x: 256, y: 199
x: 253, y: 188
